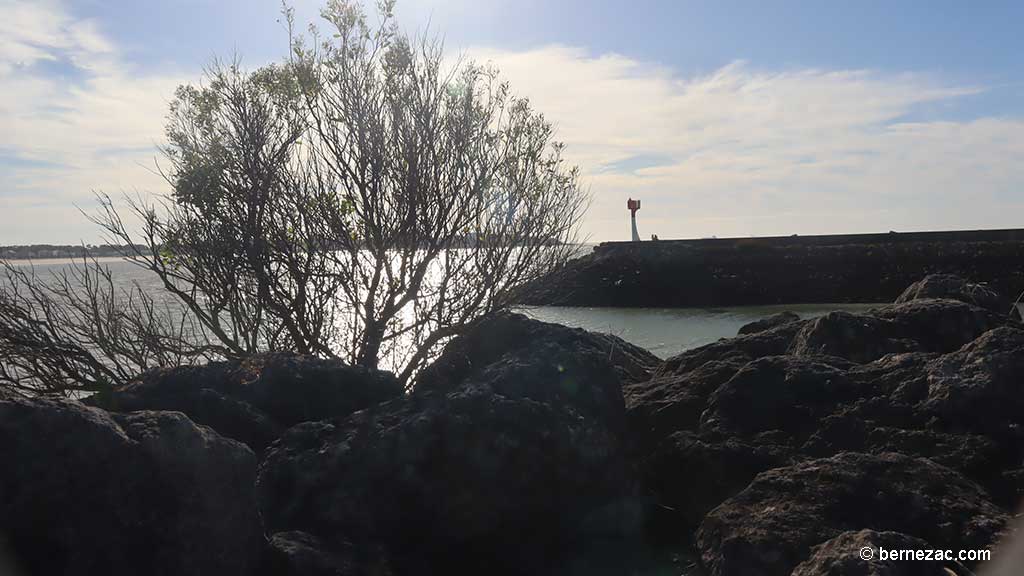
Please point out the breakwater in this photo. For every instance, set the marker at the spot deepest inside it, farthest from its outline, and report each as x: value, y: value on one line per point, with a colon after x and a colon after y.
x: 851, y: 268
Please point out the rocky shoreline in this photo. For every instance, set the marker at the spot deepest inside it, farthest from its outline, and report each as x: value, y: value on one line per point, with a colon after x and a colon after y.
x: 866, y: 269
x: 532, y: 448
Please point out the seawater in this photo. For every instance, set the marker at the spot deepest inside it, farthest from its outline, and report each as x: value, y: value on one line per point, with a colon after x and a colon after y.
x: 663, y: 331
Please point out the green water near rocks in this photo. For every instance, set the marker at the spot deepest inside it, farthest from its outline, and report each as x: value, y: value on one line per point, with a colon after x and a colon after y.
x: 669, y: 331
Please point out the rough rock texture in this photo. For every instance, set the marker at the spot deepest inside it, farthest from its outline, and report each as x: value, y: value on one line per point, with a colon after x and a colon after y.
x: 756, y: 271
x: 454, y: 482
x: 931, y: 378
x: 841, y: 556
x: 773, y: 321
x: 511, y: 449
x: 914, y: 326
x: 979, y: 387
x: 691, y: 474
x: 84, y: 492
x: 302, y: 554
x: 956, y: 288
x: 677, y: 393
x: 256, y: 399
x: 771, y: 526
x: 532, y: 448
x: 545, y: 362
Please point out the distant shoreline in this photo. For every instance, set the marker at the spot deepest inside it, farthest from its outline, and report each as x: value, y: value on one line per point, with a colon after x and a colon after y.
x: 42, y: 262
x: 38, y: 252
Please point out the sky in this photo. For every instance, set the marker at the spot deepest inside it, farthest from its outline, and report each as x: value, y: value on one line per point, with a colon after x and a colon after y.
x: 725, y: 118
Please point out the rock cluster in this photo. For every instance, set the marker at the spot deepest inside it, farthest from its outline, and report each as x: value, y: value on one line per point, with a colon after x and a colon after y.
x: 905, y: 420
x: 255, y: 400
x: 532, y: 448
x: 87, y: 492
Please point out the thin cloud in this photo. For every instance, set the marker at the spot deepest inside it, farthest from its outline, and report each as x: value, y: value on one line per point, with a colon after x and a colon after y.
x: 739, y: 150
x: 768, y: 152
x: 64, y: 139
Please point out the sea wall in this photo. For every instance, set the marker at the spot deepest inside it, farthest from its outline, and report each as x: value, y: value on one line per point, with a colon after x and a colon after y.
x: 860, y: 268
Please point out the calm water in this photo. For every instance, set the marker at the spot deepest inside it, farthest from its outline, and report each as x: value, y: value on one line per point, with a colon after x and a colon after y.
x: 668, y: 331
x: 663, y: 331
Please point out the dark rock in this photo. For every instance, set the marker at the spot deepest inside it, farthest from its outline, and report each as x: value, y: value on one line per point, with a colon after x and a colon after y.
x: 783, y: 409
x: 771, y: 526
x: 510, y: 334
x: 549, y: 363
x: 918, y: 325
x: 255, y: 399
x: 771, y: 342
x: 856, y: 337
x: 977, y: 457
x: 676, y: 395
x: 783, y: 393
x: 842, y: 556
x: 867, y: 268
x: 900, y: 380
x: 940, y: 325
x: 979, y: 387
x: 302, y: 554
x: 956, y: 288
x: 773, y: 321
x: 669, y: 403
x: 453, y: 482
x: 511, y: 446
x: 845, y: 433
x: 143, y: 493
x: 689, y: 475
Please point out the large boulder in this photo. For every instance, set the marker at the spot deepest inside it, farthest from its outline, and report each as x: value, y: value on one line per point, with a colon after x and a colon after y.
x: 774, y: 524
x: 302, y: 554
x: 670, y: 403
x: 773, y: 321
x: 678, y: 391
x: 856, y: 337
x: 770, y: 342
x: 689, y: 474
x: 979, y: 387
x: 84, y: 492
x: 917, y: 325
x: 511, y: 447
x: 255, y: 399
x: 924, y: 378
x: 857, y: 553
x: 549, y: 363
x: 783, y: 393
x: 452, y: 482
x: 955, y: 287
x: 940, y: 325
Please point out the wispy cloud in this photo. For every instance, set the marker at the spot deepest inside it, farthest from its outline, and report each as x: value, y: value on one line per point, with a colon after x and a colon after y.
x: 74, y: 118
x: 739, y: 150
x: 748, y: 151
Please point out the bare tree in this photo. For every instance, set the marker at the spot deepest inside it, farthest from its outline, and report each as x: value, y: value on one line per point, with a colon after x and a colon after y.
x: 364, y: 200
x: 459, y: 193
x: 77, y: 330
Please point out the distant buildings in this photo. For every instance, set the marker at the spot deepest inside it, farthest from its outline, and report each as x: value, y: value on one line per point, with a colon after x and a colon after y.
x: 43, y: 251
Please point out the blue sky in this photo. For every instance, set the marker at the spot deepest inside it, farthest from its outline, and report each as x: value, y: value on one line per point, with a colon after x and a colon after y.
x: 726, y: 117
